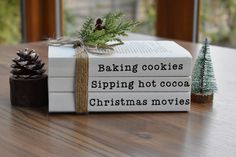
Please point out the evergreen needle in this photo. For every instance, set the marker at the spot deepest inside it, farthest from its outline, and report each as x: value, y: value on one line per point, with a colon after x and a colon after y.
x: 106, y: 29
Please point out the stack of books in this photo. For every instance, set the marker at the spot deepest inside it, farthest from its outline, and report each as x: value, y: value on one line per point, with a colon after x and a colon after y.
x: 148, y: 76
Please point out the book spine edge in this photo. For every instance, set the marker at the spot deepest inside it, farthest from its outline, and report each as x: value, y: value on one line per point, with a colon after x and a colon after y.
x: 123, y: 84
x: 64, y: 102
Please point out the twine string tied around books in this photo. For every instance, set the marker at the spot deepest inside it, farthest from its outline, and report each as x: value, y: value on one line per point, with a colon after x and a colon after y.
x: 81, y: 72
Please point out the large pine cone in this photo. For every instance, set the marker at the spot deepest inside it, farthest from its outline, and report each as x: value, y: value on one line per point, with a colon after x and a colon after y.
x: 27, y: 65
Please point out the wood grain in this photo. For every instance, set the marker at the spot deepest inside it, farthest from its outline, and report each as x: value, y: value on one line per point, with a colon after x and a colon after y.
x: 40, y: 19
x: 175, y: 19
x: 207, y: 130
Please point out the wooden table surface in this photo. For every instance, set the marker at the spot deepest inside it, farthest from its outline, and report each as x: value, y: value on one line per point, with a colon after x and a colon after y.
x: 207, y: 130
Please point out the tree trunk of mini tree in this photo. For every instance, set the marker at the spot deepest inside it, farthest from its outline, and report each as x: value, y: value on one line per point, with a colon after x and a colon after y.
x: 29, y: 92
x: 200, y: 98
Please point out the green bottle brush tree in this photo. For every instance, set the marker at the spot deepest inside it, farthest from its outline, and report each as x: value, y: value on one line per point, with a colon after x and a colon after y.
x: 203, y: 79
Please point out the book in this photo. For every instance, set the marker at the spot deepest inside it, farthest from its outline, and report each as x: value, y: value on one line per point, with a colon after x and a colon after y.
x: 138, y: 76
x: 123, y: 102
x: 134, y: 58
x: 122, y: 84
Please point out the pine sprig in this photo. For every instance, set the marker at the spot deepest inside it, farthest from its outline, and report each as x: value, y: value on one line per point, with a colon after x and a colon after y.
x: 87, y: 28
x: 106, y: 29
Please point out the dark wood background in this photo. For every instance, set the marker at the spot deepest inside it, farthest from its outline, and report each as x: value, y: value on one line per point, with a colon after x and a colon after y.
x: 174, y: 19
